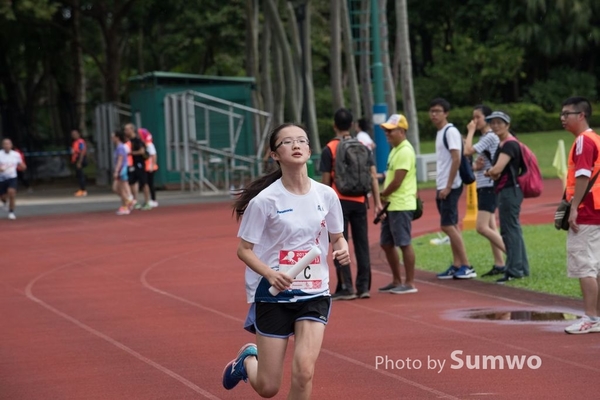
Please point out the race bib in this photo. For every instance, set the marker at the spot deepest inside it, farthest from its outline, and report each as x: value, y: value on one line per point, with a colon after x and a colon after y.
x: 310, y: 278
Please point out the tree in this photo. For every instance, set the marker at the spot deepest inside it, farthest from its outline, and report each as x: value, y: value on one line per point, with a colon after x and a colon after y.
x: 335, y: 57
x: 406, y: 82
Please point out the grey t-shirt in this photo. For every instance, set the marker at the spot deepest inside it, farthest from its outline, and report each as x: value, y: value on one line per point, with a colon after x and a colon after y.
x: 486, y: 147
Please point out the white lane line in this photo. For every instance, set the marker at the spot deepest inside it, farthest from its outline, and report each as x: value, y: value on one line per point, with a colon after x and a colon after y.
x: 119, y: 345
x: 329, y: 352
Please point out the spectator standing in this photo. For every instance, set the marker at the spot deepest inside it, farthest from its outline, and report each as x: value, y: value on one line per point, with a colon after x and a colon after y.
x: 449, y: 188
x: 355, y: 215
x: 10, y: 161
x: 79, y: 160
x: 583, y: 238
x: 363, y: 134
x: 487, y: 201
x: 400, y: 191
x: 506, y: 166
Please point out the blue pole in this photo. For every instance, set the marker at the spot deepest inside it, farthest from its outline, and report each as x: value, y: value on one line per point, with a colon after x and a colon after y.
x: 380, y: 111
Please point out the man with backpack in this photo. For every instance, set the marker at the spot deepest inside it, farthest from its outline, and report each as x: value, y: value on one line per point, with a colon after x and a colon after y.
x: 347, y: 166
x: 448, y: 150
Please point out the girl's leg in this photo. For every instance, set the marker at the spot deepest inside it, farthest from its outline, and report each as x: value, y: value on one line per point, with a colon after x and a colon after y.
x: 307, y: 345
x: 266, y: 372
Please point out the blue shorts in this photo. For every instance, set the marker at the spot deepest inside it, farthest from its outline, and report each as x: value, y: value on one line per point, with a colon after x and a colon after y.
x: 487, y: 199
x: 448, y: 208
x: 278, y: 320
x: 123, y: 176
x: 10, y: 183
x: 396, y: 228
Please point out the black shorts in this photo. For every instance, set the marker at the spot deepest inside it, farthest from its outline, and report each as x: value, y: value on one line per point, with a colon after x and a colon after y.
x: 448, y: 208
x: 278, y: 319
x: 487, y: 199
x: 137, y: 174
x: 8, y: 184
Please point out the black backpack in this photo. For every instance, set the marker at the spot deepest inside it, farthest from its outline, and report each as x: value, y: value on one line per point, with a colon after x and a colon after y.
x: 352, y: 171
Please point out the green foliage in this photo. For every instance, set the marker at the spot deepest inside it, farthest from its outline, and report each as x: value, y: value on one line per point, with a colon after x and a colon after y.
x: 467, y: 71
x: 546, y: 251
x: 562, y: 82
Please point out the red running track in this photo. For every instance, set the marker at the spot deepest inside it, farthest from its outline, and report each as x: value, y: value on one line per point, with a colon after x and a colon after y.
x: 151, y: 306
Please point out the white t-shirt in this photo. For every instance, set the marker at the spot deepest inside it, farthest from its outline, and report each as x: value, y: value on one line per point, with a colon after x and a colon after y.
x: 8, y: 164
x: 151, y: 149
x: 444, y: 157
x: 283, y: 227
x: 365, y: 139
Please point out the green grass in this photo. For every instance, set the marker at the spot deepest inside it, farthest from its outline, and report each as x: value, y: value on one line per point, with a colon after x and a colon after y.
x: 543, y: 144
x: 546, y: 251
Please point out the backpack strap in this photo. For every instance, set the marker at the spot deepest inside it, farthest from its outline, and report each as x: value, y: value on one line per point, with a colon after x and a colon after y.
x: 446, y: 140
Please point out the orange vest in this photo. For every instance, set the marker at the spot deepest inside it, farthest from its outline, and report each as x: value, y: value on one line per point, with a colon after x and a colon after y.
x: 150, y: 164
x: 129, y: 155
x: 75, y: 149
x: 333, y: 147
x: 570, y: 189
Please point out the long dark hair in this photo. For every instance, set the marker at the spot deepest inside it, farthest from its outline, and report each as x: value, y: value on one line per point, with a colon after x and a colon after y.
x: 258, y: 185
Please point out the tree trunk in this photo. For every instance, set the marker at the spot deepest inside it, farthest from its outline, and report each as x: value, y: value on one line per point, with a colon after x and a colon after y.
x: 279, y: 88
x: 297, y: 57
x: 266, y: 79
x: 335, y: 57
x: 350, y: 62
x: 79, y: 71
x: 365, y: 67
x: 285, y: 55
x: 406, y: 81
x: 311, y: 112
x: 252, y: 60
x: 388, y: 80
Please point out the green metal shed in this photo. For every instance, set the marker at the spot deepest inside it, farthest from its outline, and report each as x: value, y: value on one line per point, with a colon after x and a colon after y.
x: 147, y: 97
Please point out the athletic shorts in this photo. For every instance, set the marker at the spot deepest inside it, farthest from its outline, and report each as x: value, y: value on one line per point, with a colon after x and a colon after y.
x: 123, y: 176
x: 396, y: 228
x: 278, y: 319
x: 487, y: 199
x: 583, y: 252
x: 448, y: 208
x: 137, y: 175
x: 8, y: 184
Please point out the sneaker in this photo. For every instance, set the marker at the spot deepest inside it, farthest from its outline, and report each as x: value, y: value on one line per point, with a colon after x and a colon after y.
x: 80, y: 193
x: 12, y: 215
x: 137, y: 206
x: 584, y: 325
x: 507, y: 278
x: 404, y: 289
x: 449, y: 273
x: 343, y: 295
x: 146, y: 207
x: 495, y: 271
x: 235, y: 371
x: 465, y: 272
x: 153, y: 203
x: 387, y: 288
x: 132, y: 204
x: 364, y: 295
x: 440, y: 240
x: 123, y: 211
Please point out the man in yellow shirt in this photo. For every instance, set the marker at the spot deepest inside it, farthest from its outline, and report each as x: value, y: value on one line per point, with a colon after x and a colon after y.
x: 400, y: 191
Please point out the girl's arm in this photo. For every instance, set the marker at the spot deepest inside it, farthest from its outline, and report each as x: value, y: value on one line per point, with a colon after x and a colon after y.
x: 340, y: 248
x: 277, y: 279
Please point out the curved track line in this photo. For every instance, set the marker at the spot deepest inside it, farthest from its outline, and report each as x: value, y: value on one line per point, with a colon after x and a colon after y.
x: 329, y: 352
x: 119, y: 345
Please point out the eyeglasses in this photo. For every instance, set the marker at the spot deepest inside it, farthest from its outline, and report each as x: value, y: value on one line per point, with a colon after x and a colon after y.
x: 289, y: 141
x: 567, y: 113
x: 436, y: 111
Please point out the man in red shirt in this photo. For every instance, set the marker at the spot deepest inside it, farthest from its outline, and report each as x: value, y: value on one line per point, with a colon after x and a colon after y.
x: 583, y: 238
